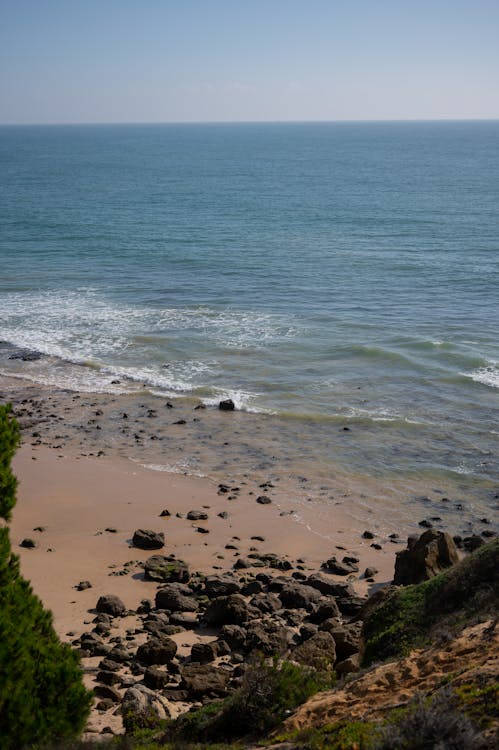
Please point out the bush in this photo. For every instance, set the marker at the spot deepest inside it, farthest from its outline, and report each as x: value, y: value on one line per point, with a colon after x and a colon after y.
x: 42, y: 696
x: 430, y: 725
x: 268, y: 694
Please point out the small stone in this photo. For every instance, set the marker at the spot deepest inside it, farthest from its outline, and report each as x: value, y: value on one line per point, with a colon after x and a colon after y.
x: 226, y: 405
x: 263, y: 500
x: 83, y: 585
x: 28, y: 543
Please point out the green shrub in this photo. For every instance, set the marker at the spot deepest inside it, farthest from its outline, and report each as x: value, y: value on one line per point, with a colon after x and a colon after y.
x: 268, y: 694
x: 42, y: 696
x: 430, y: 725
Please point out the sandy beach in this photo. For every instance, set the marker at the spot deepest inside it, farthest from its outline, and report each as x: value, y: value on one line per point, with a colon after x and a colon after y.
x: 89, y: 508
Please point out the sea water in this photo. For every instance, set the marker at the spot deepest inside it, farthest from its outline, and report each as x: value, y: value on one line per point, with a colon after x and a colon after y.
x: 322, y: 275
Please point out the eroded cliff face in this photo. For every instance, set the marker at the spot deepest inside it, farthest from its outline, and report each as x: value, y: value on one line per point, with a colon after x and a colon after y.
x: 471, y: 660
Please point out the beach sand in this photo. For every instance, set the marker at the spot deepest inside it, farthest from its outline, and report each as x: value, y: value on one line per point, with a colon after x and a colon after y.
x: 89, y: 508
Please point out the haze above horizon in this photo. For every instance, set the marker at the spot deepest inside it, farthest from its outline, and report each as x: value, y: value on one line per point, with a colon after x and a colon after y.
x: 172, y: 61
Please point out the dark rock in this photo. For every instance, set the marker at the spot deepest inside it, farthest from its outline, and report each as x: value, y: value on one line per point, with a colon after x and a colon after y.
x: 107, y: 691
x: 109, y: 665
x: 368, y: 535
x: 268, y: 639
x: 176, y: 597
x: 156, y: 678
x: 83, y: 585
x: 425, y: 557
x: 120, y: 654
x: 26, y: 356
x: 165, y: 513
x: 263, y: 500
x: 471, y: 543
x: 370, y: 572
x: 111, y: 605
x: 227, y: 610
x: 94, y: 645
x: 226, y: 405
x: 347, y: 640
x: 156, y: 651
x: 297, y: 596
x: 329, y: 587
x: 107, y: 677
x: 251, y: 587
x: 343, y: 568
x: 147, y: 539
x: 318, y: 652
x: 234, y: 635
x: 325, y: 610
x: 203, y: 653
x: 203, y: 680
x: 220, y: 586
x: 28, y: 543
x: 161, y: 568
x: 267, y: 603
x: 197, y: 515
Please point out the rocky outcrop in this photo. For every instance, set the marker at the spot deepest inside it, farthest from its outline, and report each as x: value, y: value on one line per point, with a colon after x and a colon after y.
x: 425, y: 557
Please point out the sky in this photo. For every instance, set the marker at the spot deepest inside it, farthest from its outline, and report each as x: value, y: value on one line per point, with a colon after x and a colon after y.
x: 86, y: 61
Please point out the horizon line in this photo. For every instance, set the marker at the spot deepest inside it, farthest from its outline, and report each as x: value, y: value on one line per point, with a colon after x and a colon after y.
x: 76, y: 123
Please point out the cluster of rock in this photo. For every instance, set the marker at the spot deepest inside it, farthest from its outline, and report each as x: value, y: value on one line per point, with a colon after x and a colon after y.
x: 311, y: 619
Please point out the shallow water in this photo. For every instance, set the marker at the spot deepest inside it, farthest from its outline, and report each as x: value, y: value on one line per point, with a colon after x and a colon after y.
x: 322, y: 275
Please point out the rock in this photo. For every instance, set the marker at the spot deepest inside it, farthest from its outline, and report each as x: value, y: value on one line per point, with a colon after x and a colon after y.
x: 343, y: 568
x: 139, y: 701
x: 120, y: 654
x: 94, y: 645
x: 227, y: 610
x: 325, y: 610
x: 329, y: 587
x: 318, y: 652
x: 471, y: 543
x: 165, y: 513
x: 367, y: 535
x: 147, y: 539
x: 227, y: 405
x: 110, y: 605
x: 234, y: 635
x: 346, y: 639
x: 107, y: 691
x: 370, y: 572
x: 267, y: 603
x: 161, y: 568
x: 220, y: 586
x: 347, y: 666
x: 108, y: 677
x: 176, y: 597
x: 263, y: 500
x: 157, y: 651
x: 156, y: 678
x: 425, y: 557
x: 204, y: 681
x: 203, y: 653
x: 197, y: 515
x: 28, y: 543
x: 297, y: 596
x: 269, y: 639
x: 83, y: 585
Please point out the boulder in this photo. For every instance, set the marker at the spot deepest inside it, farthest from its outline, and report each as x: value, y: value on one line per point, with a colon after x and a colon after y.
x: 161, y: 568
x: 227, y: 610
x: 176, y: 597
x: 157, y: 651
x: 141, y: 702
x: 204, y: 681
x: 297, y: 596
x: 340, y: 568
x: 220, y: 586
x: 425, y: 557
x: 318, y: 652
x: 203, y: 653
x: 329, y: 587
x: 111, y: 605
x: 325, y: 610
x: 156, y: 678
x: 147, y: 539
x: 227, y: 405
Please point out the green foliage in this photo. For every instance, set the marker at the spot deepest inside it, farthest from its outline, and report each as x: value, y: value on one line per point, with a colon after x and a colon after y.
x: 435, y: 723
x: 9, y: 440
x: 342, y: 735
x: 268, y: 694
x: 464, y: 594
x: 480, y: 703
x: 41, y: 692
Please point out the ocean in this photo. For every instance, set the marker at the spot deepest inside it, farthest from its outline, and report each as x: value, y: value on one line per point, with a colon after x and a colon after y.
x: 338, y: 281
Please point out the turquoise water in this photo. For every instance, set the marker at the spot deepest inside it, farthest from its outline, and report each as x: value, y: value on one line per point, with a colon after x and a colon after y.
x: 327, y: 274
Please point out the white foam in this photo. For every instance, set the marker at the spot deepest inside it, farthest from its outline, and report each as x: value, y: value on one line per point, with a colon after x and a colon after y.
x: 488, y: 375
